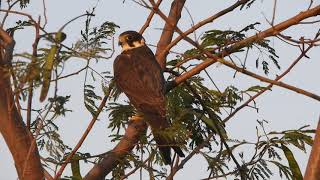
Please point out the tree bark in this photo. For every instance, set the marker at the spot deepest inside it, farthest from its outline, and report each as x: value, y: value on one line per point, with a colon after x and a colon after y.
x: 12, y: 128
x: 313, y: 167
x: 168, y: 30
x: 111, y: 160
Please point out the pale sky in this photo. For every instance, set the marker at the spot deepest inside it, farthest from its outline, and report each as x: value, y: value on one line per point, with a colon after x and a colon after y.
x: 283, y: 109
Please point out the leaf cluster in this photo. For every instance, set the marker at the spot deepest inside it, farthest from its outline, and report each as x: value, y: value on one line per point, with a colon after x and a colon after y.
x: 95, y: 40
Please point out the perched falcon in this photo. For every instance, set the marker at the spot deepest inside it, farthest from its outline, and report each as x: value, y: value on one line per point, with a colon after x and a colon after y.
x: 140, y: 77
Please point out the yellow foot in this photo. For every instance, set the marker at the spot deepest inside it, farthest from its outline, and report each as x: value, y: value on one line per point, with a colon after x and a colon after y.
x: 136, y: 118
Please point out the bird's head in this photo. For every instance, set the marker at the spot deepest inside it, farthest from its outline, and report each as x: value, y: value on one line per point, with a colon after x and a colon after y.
x: 130, y: 40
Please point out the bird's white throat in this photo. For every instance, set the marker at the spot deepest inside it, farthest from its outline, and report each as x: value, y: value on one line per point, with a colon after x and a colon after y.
x: 136, y: 44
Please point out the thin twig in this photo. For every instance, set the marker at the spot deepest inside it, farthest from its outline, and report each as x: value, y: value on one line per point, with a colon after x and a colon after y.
x: 147, y: 23
x: 274, y: 11
x: 243, y: 43
x: 44, y: 13
x: 19, y: 13
x: 136, y: 168
x: 83, y: 137
x: 269, y: 86
x: 7, y: 13
x: 204, y: 22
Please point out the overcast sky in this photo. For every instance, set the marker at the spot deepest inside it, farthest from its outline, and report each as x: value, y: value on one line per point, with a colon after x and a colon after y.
x: 282, y: 108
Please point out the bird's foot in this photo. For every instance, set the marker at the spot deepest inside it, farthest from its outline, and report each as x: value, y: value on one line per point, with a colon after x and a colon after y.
x: 136, y: 118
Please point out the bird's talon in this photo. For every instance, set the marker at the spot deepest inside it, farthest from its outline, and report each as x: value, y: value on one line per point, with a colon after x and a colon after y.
x: 135, y: 118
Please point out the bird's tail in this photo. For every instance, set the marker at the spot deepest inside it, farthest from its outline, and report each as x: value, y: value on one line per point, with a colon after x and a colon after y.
x: 158, y: 124
x: 165, y: 145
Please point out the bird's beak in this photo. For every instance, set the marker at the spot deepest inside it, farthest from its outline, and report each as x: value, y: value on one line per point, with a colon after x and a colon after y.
x: 120, y: 43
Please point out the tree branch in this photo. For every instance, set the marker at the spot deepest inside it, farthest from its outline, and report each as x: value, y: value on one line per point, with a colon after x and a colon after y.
x: 239, y: 45
x: 135, y: 128
x: 132, y: 135
x: 12, y: 127
x: 168, y: 30
x: 269, y: 86
x: 313, y: 167
x: 204, y: 22
x: 83, y: 137
x: 147, y: 23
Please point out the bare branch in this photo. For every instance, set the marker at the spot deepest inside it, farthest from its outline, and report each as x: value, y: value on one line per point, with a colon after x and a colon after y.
x: 34, y: 58
x: 313, y: 167
x: 147, y: 23
x: 202, y: 23
x: 168, y: 30
x: 83, y: 137
x: 278, y: 83
x: 44, y: 13
x: 274, y: 12
x: 7, y: 13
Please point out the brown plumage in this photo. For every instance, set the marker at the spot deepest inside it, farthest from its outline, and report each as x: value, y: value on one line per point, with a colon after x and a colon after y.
x: 140, y: 77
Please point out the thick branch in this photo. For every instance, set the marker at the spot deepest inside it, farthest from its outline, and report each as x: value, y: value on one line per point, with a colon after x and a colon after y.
x: 12, y: 127
x: 168, y: 30
x: 313, y: 167
x: 111, y: 160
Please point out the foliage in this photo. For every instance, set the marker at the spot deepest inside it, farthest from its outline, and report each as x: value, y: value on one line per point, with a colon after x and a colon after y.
x: 196, y: 109
x: 214, y: 40
x: 94, y: 41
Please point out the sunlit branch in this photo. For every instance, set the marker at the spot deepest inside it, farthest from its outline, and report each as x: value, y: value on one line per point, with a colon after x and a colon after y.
x: 83, y: 137
x: 203, y: 23
x: 243, y: 43
x: 269, y: 86
x: 147, y: 22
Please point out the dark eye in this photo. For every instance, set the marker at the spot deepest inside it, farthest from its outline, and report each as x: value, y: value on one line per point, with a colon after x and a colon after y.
x: 129, y: 37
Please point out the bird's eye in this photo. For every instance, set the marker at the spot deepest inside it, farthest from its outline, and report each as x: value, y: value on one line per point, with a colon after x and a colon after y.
x: 129, y: 37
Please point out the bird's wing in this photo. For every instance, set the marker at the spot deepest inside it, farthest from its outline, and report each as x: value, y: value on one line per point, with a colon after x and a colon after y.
x: 141, y: 79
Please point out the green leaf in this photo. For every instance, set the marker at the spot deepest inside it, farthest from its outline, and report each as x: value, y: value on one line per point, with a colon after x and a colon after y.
x: 119, y: 115
x: 214, y: 126
x: 75, y: 167
x: 89, y: 99
x: 265, y: 67
x: 255, y: 88
x: 283, y: 170
x: 24, y: 3
x: 294, y: 167
x: 220, y: 38
x: 46, y: 74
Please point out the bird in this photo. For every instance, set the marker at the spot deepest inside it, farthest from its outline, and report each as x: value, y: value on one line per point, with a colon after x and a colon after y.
x: 138, y: 74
